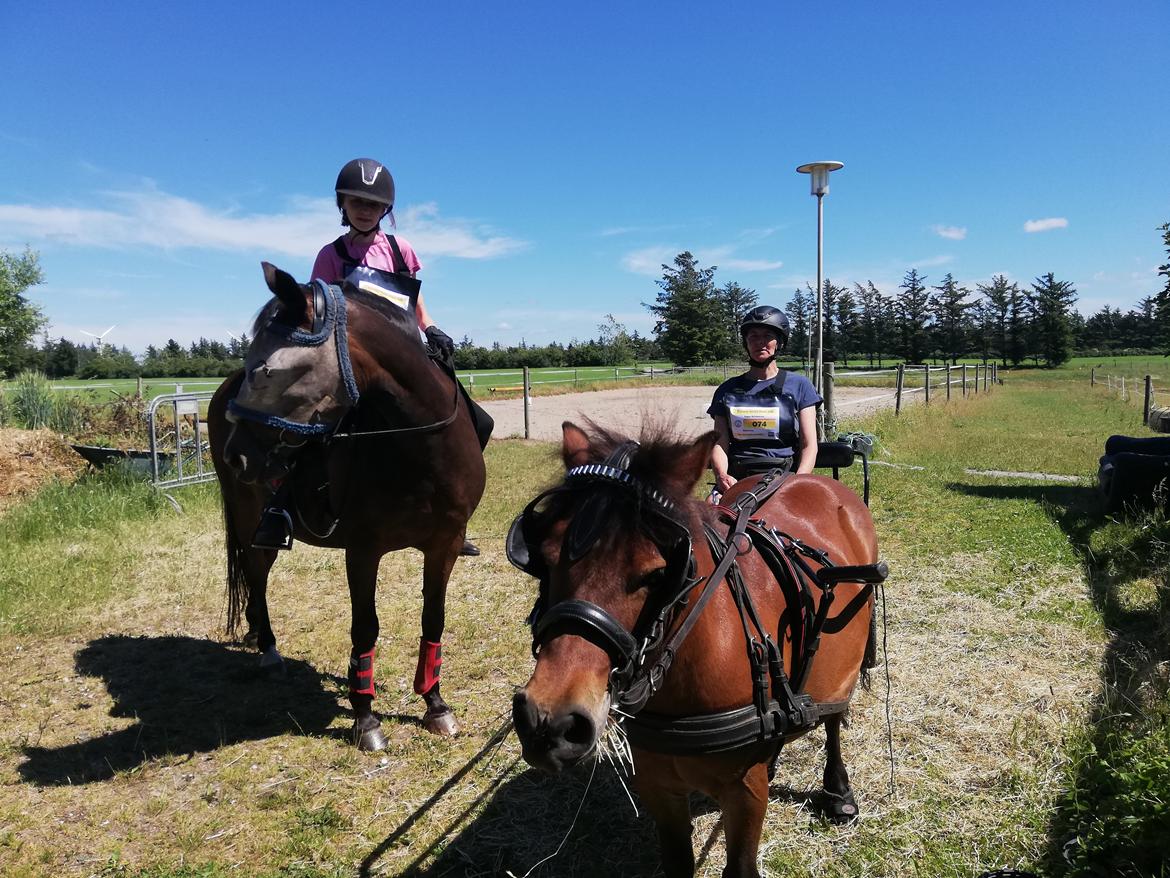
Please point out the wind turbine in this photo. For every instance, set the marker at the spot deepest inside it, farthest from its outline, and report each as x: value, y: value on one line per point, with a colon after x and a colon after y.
x: 101, y: 343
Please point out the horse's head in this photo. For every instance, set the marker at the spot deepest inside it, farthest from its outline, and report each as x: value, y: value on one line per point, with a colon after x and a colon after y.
x: 612, y: 549
x: 298, y: 382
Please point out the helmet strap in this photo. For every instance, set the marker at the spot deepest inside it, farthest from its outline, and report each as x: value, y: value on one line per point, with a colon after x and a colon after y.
x: 762, y: 364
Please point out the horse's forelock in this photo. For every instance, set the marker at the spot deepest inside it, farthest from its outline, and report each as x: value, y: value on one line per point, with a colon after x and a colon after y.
x: 276, y: 309
x: 660, y: 446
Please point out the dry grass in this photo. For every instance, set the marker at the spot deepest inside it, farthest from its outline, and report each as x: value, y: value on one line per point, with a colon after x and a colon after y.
x: 138, y: 739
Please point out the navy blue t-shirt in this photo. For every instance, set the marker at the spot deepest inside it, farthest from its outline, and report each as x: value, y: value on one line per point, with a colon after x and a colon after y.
x: 763, y: 418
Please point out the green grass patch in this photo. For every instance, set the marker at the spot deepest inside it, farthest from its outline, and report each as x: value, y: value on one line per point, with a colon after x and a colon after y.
x: 74, y: 545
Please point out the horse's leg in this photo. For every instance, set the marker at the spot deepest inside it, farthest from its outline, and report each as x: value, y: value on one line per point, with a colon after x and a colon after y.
x: 361, y: 570
x: 437, y: 564
x: 839, y: 804
x: 744, y: 804
x: 256, y: 565
x: 672, y: 820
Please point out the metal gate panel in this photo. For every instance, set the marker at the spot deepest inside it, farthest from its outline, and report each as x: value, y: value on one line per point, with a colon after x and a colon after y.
x: 179, y: 451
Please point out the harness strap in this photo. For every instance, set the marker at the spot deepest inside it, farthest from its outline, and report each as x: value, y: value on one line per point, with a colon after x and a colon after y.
x: 745, y: 504
x: 720, y: 732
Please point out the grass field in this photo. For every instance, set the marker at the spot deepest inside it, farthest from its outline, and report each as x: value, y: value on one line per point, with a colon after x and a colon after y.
x: 1027, y: 638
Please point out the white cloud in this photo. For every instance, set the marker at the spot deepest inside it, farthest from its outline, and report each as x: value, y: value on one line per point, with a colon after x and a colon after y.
x: 1044, y: 225
x: 750, y: 265
x: 931, y: 261
x: 649, y: 260
x: 503, y: 327
x: 156, y: 219
x: 954, y: 233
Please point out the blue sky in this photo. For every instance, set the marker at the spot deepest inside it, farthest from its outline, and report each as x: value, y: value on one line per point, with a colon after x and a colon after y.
x: 549, y: 157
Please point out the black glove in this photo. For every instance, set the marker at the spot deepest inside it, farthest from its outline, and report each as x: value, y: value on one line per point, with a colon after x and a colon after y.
x: 440, y: 341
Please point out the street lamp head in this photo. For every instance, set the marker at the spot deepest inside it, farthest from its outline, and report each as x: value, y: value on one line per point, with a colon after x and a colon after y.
x: 819, y: 172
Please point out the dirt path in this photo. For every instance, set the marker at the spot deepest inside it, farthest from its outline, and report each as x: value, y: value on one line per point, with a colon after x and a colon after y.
x: 626, y: 408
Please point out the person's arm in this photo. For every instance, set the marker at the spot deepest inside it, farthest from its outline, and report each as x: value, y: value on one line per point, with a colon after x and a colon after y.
x: 808, y: 439
x: 719, y: 461
x: 420, y: 310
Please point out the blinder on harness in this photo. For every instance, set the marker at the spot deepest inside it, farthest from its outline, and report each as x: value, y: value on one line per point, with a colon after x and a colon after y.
x: 663, y: 524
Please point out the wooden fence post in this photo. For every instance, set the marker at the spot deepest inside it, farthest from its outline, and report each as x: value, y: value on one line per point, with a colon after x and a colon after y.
x: 948, y: 382
x: 827, y: 393
x: 527, y: 390
x: 1093, y: 377
x: 1149, y: 399
x: 926, y: 382
x: 986, y: 369
x: 964, y: 385
x: 898, y: 389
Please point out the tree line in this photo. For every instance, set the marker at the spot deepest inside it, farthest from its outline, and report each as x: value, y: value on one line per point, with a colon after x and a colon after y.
x: 696, y: 322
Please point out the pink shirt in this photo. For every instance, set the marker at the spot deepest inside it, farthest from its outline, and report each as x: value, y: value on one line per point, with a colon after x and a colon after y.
x: 376, y: 254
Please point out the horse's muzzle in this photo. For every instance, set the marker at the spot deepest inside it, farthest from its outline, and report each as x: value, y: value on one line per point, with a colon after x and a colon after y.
x: 553, y: 741
x: 245, y: 455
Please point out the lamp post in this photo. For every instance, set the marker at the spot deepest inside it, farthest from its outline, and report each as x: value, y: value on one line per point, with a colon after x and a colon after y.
x: 819, y: 174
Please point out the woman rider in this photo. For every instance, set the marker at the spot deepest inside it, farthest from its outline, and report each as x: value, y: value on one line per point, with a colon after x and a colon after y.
x: 766, y: 417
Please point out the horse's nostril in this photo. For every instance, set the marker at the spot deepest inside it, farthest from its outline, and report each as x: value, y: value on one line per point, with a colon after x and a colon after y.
x: 575, y: 728
x: 524, y: 715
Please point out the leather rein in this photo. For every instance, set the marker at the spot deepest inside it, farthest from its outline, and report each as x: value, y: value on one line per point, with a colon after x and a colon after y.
x: 642, y: 658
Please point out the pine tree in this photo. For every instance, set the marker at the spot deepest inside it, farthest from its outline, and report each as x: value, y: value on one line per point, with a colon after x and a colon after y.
x: 691, y: 323
x: 1162, y: 298
x: 799, y: 313
x: 1053, y: 302
x: 912, y: 310
x: 949, y: 308
x: 998, y: 305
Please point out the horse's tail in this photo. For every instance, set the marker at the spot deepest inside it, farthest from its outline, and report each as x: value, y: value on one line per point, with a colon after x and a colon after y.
x: 237, y: 580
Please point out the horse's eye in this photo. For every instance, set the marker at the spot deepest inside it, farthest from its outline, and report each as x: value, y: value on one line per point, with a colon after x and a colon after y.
x: 652, y: 580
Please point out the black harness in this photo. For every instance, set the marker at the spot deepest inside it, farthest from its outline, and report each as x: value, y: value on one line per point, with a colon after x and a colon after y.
x: 641, y: 658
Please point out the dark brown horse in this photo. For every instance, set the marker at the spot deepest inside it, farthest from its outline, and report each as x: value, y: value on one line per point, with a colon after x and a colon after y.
x: 340, y: 409
x: 639, y: 609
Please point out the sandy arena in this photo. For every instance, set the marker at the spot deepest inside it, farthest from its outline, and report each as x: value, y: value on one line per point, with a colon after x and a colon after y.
x: 624, y: 409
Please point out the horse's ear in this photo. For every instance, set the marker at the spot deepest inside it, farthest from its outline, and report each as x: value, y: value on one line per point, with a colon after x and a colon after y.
x: 575, y: 449
x: 688, y: 466
x: 290, y: 293
x: 282, y: 284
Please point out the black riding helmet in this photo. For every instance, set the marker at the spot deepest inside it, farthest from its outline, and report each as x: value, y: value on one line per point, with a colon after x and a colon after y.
x: 769, y: 318
x: 364, y: 178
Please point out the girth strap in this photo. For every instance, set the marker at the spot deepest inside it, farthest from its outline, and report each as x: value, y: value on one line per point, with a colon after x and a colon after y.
x: 719, y: 732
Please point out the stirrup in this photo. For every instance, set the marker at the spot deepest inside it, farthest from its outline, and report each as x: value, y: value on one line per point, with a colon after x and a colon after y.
x: 275, y: 530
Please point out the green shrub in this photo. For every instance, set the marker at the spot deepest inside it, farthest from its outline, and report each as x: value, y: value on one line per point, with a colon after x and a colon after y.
x: 31, y: 401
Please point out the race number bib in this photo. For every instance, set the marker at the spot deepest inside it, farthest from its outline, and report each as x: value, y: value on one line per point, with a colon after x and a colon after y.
x: 754, y: 421
x: 380, y: 283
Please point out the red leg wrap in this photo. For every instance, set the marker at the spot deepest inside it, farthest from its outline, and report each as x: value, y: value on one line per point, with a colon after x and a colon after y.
x: 430, y: 659
x: 361, y: 673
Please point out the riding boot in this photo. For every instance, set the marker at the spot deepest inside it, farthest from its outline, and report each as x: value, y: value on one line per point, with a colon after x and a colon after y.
x: 469, y: 548
x: 275, y: 530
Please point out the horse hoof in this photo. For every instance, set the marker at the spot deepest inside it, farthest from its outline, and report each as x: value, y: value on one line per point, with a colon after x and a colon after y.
x: 840, y: 810
x: 272, y: 662
x: 370, y: 740
x: 443, y: 723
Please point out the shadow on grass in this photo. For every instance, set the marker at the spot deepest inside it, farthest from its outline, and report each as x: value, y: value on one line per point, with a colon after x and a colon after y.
x: 187, y: 696
x: 580, y: 824
x: 1132, y: 669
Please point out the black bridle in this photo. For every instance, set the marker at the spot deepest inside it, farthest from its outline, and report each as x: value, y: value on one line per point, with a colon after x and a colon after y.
x: 641, y: 658
x: 661, y: 520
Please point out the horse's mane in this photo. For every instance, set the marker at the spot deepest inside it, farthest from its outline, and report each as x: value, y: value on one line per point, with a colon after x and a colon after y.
x: 617, y: 511
x: 659, y: 444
